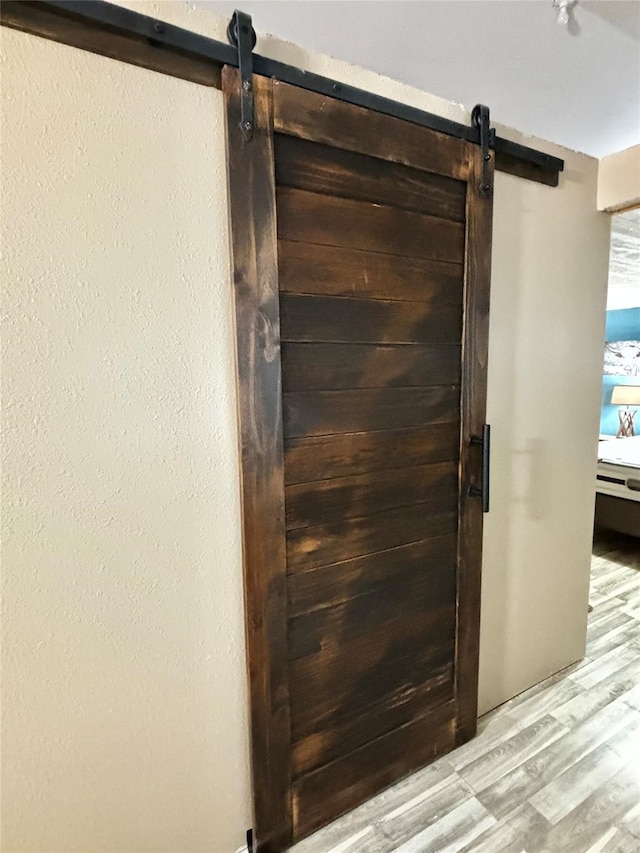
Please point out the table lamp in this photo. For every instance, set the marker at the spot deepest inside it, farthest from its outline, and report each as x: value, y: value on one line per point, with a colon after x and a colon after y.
x: 626, y: 396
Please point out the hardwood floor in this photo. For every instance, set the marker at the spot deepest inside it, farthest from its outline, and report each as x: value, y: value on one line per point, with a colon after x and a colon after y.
x: 555, y: 770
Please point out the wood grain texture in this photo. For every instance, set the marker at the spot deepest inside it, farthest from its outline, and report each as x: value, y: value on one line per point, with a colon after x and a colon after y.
x: 73, y: 30
x: 341, y: 498
x: 498, y: 763
x: 523, y: 169
x: 326, y: 456
x: 333, y: 685
x: 324, y: 544
x: 475, y: 347
x: 407, y: 566
x: 372, y: 553
x: 305, y: 268
x: 255, y: 277
x: 330, y: 412
x: 344, y: 783
x: 461, y: 823
x: 321, y: 747
x: 356, y: 832
x: 525, y: 782
x: 321, y: 119
x: 330, y: 319
x: 372, y: 613
x: 307, y: 217
x: 368, y: 623
x: 329, y: 367
x: 321, y: 169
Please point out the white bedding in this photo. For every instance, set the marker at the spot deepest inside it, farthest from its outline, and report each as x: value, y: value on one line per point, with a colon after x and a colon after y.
x: 619, y: 468
x: 621, y: 451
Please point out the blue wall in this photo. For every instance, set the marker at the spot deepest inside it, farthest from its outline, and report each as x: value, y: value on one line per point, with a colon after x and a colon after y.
x: 622, y: 325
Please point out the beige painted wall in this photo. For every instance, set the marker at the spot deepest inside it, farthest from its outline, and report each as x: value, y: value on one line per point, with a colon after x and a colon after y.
x: 619, y: 180
x: 124, y: 695
x: 546, y: 338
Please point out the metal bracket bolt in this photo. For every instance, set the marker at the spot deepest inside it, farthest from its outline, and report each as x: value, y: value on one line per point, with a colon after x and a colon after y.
x: 480, y: 119
x: 242, y: 35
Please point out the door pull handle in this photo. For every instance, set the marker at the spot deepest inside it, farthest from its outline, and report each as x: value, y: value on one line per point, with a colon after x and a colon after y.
x: 485, y: 442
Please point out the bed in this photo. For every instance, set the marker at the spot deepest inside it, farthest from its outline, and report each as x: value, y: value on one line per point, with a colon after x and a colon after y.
x: 618, y: 485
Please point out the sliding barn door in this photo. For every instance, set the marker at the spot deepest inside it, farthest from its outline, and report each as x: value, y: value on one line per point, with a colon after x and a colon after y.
x: 361, y: 252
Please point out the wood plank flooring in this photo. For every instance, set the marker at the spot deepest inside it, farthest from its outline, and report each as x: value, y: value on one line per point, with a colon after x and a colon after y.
x: 554, y: 770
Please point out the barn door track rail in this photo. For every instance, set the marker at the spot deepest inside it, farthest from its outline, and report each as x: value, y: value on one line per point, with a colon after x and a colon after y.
x: 128, y: 36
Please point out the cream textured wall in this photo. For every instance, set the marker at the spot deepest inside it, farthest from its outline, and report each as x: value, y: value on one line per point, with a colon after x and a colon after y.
x: 125, y: 720
x: 124, y: 699
x: 619, y: 180
x: 546, y: 337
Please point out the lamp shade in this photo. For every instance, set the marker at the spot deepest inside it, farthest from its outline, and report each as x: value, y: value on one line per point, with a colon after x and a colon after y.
x: 626, y: 395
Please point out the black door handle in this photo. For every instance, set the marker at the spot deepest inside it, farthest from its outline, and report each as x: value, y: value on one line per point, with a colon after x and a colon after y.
x: 485, y: 442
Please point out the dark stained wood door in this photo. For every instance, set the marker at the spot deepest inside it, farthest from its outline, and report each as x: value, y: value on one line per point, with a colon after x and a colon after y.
x: 361, y: 254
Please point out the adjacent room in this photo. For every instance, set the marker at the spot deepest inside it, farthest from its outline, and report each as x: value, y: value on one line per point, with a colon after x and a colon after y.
x: 320, y: 393
x: 618, y: 492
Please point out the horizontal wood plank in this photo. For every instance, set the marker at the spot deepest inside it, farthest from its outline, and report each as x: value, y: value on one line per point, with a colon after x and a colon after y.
x: 322, y: 169
x: 375, y: 613
x: 406, y: 566
x: 308, y: 217
x: 333, y: 500
x: 309, y: 115
x: 330, y: 319
x: 348, y: 781
x: 325, y: 456
x: 326, y: 367
x: 339, y: 683
x: 329, y: 412
x: 324, y: 544
x: 433, y: 697
x: 305, y: 268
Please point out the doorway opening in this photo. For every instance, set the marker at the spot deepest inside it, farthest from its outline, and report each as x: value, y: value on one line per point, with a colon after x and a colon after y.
x: 617, y: 506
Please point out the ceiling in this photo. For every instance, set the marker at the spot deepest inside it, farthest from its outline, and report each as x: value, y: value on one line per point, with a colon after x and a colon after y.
x: 578, y: 86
